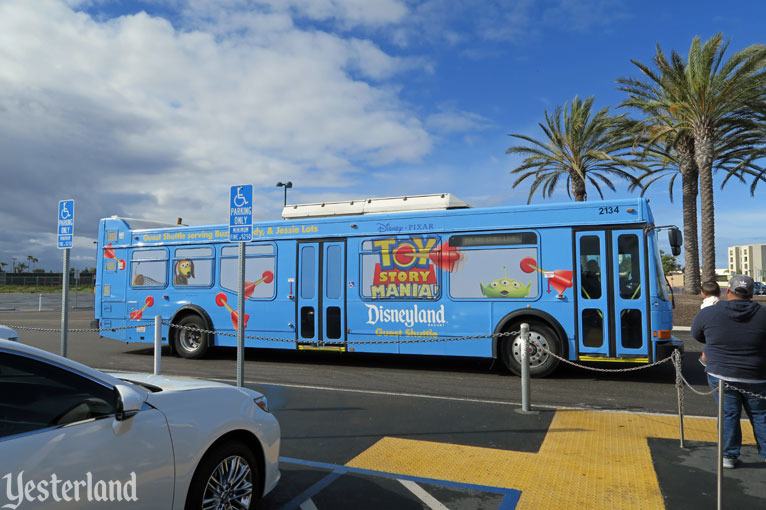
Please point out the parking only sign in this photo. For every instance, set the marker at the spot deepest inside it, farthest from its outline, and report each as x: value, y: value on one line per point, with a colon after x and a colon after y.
x: 65, y: 224
x: 241, y: 213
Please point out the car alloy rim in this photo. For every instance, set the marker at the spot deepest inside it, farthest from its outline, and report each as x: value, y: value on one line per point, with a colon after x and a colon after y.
x: 190, y: 340
x: 230, y: 486
x: 537, y: 347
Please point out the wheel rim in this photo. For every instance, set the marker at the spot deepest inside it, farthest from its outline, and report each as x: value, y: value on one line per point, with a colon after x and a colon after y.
x: 230, y: 486
x: 190, y: 340
x: 537, y: 348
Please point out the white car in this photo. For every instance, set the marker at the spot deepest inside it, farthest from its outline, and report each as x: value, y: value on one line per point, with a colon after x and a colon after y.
x: 74, y: 437
x: 8, y: 333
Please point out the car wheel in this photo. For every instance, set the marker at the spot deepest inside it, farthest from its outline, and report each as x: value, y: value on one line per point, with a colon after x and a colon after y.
x: 541, y: 340
x: 190, y: 341
x: 226, y: 478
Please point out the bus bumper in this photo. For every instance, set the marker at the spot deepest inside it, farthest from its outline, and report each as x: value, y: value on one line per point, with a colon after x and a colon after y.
x: 665, y: 348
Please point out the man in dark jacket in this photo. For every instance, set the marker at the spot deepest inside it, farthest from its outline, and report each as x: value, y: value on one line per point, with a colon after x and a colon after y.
x: 735, y: 334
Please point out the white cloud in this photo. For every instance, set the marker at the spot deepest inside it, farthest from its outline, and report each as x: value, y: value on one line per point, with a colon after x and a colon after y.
x: 449, y: 120
x: 170, y: 115
x: 347, y: 13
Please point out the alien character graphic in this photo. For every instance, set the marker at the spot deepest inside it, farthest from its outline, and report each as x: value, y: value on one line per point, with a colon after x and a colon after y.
x: 505, y: 288
x: 184, y: 271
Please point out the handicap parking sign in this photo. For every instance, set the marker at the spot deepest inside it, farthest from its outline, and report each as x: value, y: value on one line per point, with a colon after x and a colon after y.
x: 241, y: 213
x: 65, y: 224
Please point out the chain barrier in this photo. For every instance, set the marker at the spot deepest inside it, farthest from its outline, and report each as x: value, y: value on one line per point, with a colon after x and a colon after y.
x: 675, y: 358
x: 352, y: 342
x: 266, y: 338
x: 727, y: 386
x: 596, y: 369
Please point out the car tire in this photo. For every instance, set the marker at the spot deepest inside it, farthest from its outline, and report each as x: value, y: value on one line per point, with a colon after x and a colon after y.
x: 541, y: 363
x: 220, y: 462
x: 189, y: 343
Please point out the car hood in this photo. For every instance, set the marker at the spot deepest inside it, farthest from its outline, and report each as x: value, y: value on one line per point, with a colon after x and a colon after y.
x: 156, y: 383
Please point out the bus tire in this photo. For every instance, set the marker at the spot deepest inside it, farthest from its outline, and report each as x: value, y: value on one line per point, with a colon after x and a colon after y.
x: 187, y: 342
x: 541, y: 363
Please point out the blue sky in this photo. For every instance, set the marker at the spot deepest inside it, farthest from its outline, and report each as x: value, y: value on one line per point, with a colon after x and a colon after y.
x: 153, y: 109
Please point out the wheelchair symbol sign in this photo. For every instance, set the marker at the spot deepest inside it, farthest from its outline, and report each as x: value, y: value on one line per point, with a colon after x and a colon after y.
x: 65, y: 224
x: 241, y: 213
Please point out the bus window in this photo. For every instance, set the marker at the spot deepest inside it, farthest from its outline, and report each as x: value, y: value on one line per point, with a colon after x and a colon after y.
x: 593, y: 328
x: 193, y: 267
x: 307, y: 272
x: 149, y: 268
x: 630, y: 266
x: 630, y: 321
x: 590, y: 267
x: 401, y: 267
x: 259, y: 270
x: 489, y: 270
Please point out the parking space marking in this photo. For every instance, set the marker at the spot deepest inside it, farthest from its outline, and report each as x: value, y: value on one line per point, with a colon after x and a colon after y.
x: 305, y: 496
x: 589, y: 459
x: 308, y: 505
x: 422, y: 495
x: 510, y: 495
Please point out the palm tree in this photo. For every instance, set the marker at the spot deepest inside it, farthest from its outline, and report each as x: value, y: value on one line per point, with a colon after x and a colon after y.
x: 21, y: 267
x: 669, y: 145
x: 580, y: 147
x: 2, y: 266
x: 713, y: 102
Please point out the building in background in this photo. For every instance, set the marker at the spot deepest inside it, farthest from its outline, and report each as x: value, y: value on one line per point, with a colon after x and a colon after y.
x: 749, y: 259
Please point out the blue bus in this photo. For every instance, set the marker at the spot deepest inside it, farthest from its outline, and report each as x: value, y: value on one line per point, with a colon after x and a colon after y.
x: 401, y: 275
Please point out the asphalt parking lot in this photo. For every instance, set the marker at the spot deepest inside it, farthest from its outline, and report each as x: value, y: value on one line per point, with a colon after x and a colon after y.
x: 371, y: 432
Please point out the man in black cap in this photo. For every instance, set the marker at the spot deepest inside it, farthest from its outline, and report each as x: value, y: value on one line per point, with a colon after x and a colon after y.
x: 735, y: 333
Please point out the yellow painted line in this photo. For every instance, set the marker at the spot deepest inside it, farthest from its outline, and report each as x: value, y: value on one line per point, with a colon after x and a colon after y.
x: 593, y: 460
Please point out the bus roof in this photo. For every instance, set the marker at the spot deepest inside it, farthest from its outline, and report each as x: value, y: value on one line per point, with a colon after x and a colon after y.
x: 634, y: 211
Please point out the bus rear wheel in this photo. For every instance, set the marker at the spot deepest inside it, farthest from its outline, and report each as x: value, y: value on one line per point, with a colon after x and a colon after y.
x: 190, y: 342
x: 542, y: 341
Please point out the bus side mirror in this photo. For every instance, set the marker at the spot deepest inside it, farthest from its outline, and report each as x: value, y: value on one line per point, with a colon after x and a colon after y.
x: 676, y: 240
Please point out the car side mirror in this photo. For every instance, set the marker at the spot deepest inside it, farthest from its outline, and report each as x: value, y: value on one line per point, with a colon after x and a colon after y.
x: 676, y: 239
x: 129, y: 402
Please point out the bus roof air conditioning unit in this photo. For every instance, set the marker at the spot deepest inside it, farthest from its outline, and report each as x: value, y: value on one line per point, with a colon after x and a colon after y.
x: 409, y: 203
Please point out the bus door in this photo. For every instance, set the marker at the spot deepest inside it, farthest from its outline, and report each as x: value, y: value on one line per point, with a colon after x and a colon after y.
x: 611, y: 304
x: 321, y: 293
x: 630, y: 302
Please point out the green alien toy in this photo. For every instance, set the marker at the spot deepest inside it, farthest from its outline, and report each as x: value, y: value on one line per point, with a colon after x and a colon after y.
x: 505, y: 288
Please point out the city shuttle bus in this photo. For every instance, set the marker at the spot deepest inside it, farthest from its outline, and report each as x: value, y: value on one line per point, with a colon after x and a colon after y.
x: 403, y: 275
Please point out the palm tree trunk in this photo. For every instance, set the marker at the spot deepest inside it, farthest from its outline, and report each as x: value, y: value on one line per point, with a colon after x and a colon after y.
x: 689, y: 176
x: 703, y: 155
x: 578, y: 187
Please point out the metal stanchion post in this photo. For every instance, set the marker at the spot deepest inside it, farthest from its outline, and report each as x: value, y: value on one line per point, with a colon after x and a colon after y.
x: 157, y: 344
x: 40, y: 304
x: 680, y: 392
x: 524, y: 338
x: 720, y: 446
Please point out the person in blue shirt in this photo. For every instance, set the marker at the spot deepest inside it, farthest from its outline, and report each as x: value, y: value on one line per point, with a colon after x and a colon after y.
x: 734, y: 332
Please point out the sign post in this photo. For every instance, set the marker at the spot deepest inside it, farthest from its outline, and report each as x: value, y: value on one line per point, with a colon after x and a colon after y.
x: 64, y: 242
x: 241, y: 231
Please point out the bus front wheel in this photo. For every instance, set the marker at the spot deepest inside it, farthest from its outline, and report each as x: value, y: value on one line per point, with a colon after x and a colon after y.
x: 542, y: 342
x: 190, y: 340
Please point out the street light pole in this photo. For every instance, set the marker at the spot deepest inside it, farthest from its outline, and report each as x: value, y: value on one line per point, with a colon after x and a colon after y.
x: 285, y: 185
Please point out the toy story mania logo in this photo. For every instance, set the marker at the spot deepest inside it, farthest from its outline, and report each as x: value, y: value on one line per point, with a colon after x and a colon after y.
x: 408, y: 267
